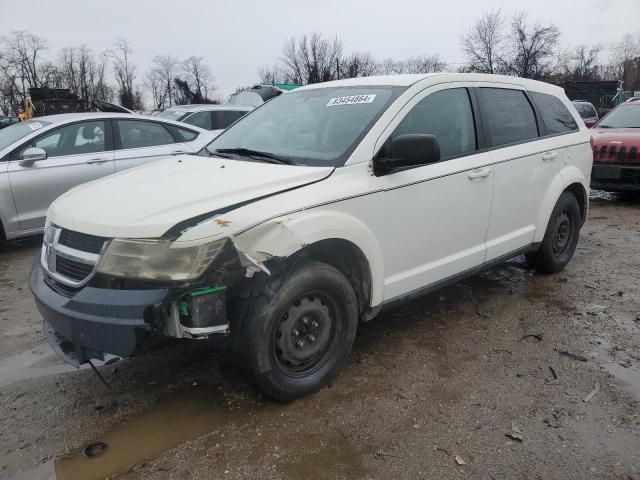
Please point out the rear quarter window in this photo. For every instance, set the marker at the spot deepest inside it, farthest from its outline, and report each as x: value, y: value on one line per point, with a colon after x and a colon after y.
x: 507, y: 115
x: 555, y: 115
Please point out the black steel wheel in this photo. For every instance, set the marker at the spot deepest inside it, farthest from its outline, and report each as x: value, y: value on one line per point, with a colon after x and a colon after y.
x: 298, y: 332
x: 560, y: 238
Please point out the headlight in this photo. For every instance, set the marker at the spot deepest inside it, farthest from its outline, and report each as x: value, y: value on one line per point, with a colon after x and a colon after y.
x: 157, y: 259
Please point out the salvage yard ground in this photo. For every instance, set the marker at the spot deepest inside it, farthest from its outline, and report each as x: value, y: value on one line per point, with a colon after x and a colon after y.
x: 510, y: 374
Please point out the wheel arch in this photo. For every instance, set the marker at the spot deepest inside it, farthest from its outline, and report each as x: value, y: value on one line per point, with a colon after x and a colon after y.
x: 571, y: 179
x: 332, y: 237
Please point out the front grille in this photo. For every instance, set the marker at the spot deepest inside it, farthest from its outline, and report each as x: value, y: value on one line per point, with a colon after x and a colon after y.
x: 71, y: 269
x: 616, y: 153
x: 81, y: 241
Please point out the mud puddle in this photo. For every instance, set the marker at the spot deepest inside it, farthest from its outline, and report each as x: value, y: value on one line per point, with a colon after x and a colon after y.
x: 630, y: 376
x: 35, y: 363
x: 169, y: 423
x: 39, y: 362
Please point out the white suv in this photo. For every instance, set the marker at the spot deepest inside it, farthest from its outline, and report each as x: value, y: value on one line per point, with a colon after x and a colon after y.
x: 314, y: 211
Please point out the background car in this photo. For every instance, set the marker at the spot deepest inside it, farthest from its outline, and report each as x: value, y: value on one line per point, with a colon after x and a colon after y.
x: 6, y: 121
x: 587, y: 111
x: 616, y: 150
x: 41, y: 159
x: 209, y: 117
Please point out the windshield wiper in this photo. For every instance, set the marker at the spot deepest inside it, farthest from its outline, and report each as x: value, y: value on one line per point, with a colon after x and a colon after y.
x: 256, y: 153
x: 209, y: 153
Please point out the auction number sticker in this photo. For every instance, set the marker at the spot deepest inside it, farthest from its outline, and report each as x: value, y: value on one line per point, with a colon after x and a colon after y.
x: 351, y: 100
x: 35, y: 125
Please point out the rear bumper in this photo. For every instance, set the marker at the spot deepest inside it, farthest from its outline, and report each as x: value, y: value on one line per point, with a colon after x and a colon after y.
x: 93, y: 320
x: 615, y: 178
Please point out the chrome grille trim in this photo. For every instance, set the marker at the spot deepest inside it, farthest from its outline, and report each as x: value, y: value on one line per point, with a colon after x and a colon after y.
x: 52, y: 249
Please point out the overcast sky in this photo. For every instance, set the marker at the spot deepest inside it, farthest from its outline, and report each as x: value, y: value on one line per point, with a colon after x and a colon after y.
x: 237, y: 37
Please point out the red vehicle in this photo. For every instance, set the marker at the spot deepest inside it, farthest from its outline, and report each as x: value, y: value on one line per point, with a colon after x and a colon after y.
x: 616, y: 150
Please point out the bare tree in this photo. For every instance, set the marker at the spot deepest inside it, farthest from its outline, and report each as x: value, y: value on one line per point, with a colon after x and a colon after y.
x: 622, y: 61
x: 124, y: 72
x: 424, y: 64
x: 270, y: 75
x: 583, y: 63
x: 311, y: 59
x: 22, y: 66
x: 483, y: 43
x: 154, y: 84
x: 534, y: 49
x: 358, y: 64
x: 198, y: 79
x: 389, y: 66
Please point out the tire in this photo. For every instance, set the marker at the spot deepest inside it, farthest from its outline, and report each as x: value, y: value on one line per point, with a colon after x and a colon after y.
x: 560, y: 238
x: 298, y: 331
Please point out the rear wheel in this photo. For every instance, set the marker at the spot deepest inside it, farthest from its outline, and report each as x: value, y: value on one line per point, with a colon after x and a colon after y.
x: 560, y: 238
x: 298, y: 332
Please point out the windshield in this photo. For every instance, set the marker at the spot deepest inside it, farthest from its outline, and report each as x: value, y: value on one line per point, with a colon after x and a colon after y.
x: 622, y: 117
x: 175, y: 115
x: 15, y: 132
x: 310, y: 127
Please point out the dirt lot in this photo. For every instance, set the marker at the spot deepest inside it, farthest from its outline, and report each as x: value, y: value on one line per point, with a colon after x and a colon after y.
x: 432, y: 389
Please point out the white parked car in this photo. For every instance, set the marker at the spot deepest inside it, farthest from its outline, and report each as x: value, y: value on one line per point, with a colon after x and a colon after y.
x: 206, y: 116
x: 42, y: 158
x: 316, y: 211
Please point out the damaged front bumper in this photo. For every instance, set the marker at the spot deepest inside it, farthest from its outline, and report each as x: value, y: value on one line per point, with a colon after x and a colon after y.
x: 93, y: 321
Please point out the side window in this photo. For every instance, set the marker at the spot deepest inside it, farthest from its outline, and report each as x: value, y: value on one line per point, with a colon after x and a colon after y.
x: 223, y: 118
x: 200, y: 119
x: 139, y: 133
x: 554, y: 114
x: 74, y: 139
x: 447, y: 114
x: 507, y: 115
x: 185, y: 135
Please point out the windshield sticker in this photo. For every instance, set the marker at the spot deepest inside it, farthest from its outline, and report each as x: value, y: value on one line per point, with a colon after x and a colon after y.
x: 351, y: 100
x: 35, y: 125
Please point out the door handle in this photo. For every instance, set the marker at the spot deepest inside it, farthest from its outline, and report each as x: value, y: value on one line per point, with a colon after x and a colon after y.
x: 98, y: 161
x: 479, y: 174
x: 179, y: 152
x: 547, y: 157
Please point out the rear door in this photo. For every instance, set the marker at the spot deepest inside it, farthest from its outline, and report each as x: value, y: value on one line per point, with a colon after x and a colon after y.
x: 76, y: 153
x: 141, y: 141
x: 524, y: 163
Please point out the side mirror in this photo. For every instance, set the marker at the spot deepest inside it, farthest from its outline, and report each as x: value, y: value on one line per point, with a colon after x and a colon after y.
x: 409, y: 150
x: 32, y: 155
x: 591, y: 123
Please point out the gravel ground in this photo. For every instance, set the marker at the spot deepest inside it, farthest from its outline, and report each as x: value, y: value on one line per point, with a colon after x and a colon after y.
x: 485, y: 379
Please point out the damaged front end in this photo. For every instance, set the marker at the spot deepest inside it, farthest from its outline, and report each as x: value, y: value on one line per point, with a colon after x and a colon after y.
x: 138, y: 293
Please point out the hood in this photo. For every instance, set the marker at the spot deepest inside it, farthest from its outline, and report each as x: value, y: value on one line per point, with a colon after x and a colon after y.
x: 616, y: 144
x: 145, y: 202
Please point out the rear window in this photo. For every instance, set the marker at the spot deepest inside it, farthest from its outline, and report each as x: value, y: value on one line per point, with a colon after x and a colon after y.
x: 224, y: 118
x: 555, y: 115
x: 175, y: 115
x: 586, y: 110
x: 199, y: 119
x: 139, y: 134
x: 507, y: 116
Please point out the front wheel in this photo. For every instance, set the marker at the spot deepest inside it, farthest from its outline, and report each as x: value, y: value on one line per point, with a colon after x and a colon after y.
x: 560, y: 238
x: 298, y: 332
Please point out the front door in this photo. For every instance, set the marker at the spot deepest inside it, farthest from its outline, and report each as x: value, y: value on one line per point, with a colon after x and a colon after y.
x: 76, y: 153
x: 432, y: 221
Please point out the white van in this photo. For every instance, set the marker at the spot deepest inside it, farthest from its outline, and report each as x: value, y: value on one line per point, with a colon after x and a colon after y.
x: 315, y: 211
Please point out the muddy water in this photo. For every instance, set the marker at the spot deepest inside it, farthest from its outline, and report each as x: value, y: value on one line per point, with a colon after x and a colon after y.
x: 171, y: 422
x: 26, y: 365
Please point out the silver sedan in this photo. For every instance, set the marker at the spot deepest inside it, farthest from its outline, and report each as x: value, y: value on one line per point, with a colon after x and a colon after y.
x: 43, y: 158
